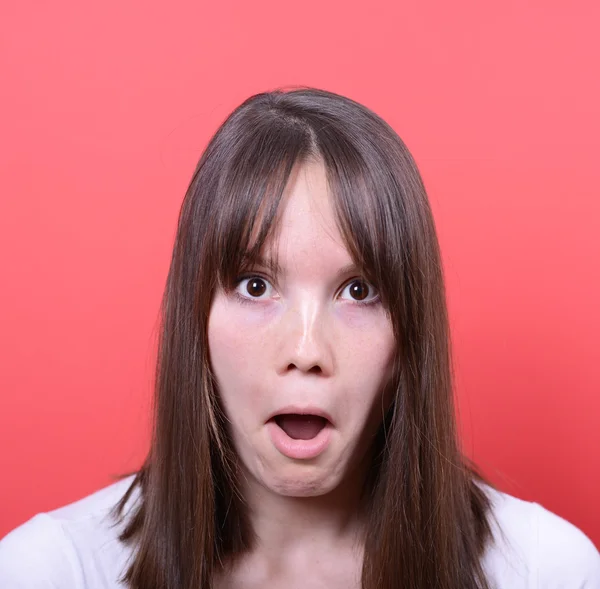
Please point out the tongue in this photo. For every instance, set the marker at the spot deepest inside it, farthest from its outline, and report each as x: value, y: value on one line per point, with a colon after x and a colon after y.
x: 301, y: 427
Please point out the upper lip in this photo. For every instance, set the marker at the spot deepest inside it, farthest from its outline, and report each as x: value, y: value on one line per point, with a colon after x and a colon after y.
x: 301, y: 410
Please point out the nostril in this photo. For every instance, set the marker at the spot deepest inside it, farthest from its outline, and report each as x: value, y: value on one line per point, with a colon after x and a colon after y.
x: 316, y: 369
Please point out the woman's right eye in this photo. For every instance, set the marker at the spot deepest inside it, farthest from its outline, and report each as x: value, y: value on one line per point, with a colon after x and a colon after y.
x: 253, y: 287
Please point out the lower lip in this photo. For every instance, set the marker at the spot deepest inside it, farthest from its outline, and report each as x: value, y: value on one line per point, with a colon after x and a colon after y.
x: 299, y: 449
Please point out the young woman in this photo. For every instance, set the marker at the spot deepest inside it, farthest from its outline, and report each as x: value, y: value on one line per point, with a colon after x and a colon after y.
x: 304, y: 423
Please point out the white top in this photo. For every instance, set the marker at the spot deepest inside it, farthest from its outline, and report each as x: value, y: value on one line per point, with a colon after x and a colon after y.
x: 76, y: 547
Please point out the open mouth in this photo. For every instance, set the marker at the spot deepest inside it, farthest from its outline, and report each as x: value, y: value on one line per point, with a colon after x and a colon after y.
x: 300, y: 436
x: 300, y: 427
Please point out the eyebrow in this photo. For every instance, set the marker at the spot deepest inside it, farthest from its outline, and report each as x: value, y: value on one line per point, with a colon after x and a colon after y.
x: 274, y: 267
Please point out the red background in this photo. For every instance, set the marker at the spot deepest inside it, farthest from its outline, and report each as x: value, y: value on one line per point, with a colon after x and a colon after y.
x: 104, y: 111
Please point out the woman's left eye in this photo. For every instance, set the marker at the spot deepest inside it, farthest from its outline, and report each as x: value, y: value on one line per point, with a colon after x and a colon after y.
x: 361, y: 292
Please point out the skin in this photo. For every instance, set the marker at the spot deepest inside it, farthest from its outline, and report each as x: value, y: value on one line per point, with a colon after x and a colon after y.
x: 306, y: 340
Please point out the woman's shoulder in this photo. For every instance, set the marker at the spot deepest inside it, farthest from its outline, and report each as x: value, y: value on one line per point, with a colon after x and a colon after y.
x: 535, y: 547
x: 74, y: 546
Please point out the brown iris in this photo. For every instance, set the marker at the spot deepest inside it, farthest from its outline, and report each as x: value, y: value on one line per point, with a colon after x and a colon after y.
x: 256, y: 287
x: 359, y: 290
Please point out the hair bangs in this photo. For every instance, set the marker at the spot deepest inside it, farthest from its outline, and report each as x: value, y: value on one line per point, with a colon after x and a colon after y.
x: 366, y: 202
x: 250, y: 195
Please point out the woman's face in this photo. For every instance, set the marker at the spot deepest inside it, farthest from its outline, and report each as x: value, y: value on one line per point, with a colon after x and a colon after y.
x: 302, y: 355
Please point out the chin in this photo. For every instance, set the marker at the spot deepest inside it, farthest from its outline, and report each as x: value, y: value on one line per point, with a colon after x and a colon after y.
x: 300, y: 479
x: 300, y: 486
x: 288, y: 477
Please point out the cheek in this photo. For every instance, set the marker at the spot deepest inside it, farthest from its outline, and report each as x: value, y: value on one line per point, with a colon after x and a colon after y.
x: 234, y: 355
x: 366, y: 351
x: 228, y: 341
x: 367, y: 340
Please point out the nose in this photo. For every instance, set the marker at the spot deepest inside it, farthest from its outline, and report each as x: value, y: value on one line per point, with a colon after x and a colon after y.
x: 305, y: 342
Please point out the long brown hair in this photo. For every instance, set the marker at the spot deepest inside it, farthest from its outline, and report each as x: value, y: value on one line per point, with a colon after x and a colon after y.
x: 430, y: 524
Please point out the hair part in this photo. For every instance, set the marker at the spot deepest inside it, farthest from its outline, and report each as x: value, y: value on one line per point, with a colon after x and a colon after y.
x: 431, y: 523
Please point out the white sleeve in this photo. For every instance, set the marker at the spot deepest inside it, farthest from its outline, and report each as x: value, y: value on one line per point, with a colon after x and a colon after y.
x: 566, y: 557
x: 38, y: 555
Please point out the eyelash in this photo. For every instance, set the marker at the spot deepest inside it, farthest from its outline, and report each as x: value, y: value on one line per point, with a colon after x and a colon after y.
x: 250, y: 301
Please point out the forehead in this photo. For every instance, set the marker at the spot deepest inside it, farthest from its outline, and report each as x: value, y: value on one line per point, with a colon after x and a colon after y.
x: 307, y: 224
